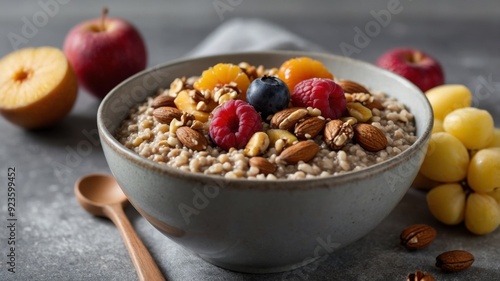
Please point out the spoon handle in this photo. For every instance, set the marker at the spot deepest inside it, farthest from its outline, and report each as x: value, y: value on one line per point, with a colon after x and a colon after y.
x: 146, y: 267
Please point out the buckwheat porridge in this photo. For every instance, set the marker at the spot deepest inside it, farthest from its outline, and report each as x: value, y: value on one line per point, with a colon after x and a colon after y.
x: 242, y: 121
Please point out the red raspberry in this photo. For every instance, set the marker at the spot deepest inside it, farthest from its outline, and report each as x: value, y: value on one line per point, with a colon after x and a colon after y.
x: 233, y: 123
x: 320, y: 93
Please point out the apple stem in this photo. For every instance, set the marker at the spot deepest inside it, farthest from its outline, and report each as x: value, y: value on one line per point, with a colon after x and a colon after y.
x: 104, y: 12
x: 417, y: 57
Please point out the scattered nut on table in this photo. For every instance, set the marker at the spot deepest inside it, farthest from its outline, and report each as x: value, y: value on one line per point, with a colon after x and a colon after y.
x: 420, y: 276
x: 454, y: 261
x: 417, y: 236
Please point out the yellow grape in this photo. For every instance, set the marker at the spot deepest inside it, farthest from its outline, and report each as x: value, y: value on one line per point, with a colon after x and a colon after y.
x: 482, y: 214
x: 447, y: 203
x: 438, y: 126
x: 472, y: 126
x: 446, y: 160
x: 496, y: 138
x: 446, y: 98
x: 495, y: 194
x: 484, y: 170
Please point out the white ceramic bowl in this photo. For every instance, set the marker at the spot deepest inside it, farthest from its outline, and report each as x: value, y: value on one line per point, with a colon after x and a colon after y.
x: 253, y: 225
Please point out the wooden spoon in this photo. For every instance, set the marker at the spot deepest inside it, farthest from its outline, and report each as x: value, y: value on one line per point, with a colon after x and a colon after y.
x: 101, y: 195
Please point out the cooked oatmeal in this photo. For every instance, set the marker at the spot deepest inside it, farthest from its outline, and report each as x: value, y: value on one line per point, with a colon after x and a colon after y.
x: 144, y: 134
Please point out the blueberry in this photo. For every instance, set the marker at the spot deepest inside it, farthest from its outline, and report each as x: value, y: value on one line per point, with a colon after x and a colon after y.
x: 268, y: 95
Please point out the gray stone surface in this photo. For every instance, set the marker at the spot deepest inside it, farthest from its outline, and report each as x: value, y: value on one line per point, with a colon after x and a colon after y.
x: 57, y: 240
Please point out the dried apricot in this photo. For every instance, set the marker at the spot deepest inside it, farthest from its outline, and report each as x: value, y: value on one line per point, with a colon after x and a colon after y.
x: 296, y: 70
x: 223, y: 74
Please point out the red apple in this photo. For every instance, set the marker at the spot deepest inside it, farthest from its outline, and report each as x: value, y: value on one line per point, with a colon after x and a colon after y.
x: 421, y: 69
x: 103, y: 52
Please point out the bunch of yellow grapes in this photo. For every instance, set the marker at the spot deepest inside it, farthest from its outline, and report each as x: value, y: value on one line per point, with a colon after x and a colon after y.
x: 463, y: 158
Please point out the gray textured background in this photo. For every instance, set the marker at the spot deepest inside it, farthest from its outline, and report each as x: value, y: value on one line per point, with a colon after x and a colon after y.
x: 57, y: 240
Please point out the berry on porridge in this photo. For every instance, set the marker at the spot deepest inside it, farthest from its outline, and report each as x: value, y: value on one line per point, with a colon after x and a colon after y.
x: 320, y: 93
x: 219, y: 123
x: 233, y: 124
x: 268, y: 95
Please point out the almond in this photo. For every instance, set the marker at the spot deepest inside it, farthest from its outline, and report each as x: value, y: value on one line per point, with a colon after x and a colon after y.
x: 417, y: 236
x: 370, y: 137
x: 352, y: 87
x: 287, y: 118
x: 454, y: 261
x: 301, y: 151
x: 191, y: 139
x: 375, y: 103
x: 309, y: 128
x: 265, y: 167
x: 166, y: 114
x: 163, y: 100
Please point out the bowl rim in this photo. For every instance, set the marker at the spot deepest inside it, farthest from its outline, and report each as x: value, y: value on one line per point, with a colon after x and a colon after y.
x: 282, y: 184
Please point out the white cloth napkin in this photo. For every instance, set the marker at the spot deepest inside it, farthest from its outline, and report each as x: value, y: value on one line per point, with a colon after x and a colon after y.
x: 238, y: 35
